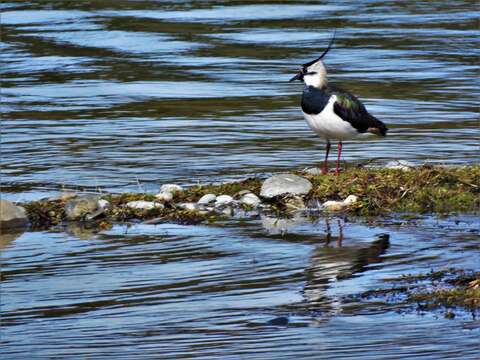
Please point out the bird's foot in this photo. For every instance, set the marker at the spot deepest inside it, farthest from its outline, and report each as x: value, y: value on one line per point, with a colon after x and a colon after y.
x: 324, y: 171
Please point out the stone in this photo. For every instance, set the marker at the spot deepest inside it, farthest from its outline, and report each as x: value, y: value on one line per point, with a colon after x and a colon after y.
x: 285, y: 184
x: 164, y: 196
x: 313, y: 171
x: 12, y: 216
x: 228, y: 211
x: 95, y: 214
x: 79, y: 207
x: 250, y: 199
x: 240, y: 213
x: 400, y: 164
x: 207, y: 199
x: 190, y: 206
x: 241, y: 193
x: 351, y: 199
x: 332, y: 205
x: 171, y: 188
x: 103, y: 204
x: 339, y: 205
x: 223, y: 200
x: 144, y: 205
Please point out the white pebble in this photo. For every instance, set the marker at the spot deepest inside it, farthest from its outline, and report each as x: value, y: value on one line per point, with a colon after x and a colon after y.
x: 224, y: 200
x: 103, y: 204
x: 242, y: 192
x: 188, y: 206
x: 250, y: 200
x: 332, y: 205
x: 145, y: 205
x: 351, y: 199
x: 171, y: 188
x: 207, y: 199
x: 400, y: 164
x: 313, y: 171
x: 339, y: 205
x: 228, y: 211
x: 164, y: 196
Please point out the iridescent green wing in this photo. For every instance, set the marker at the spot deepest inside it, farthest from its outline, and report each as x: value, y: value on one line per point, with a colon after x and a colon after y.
x: 350, y: 109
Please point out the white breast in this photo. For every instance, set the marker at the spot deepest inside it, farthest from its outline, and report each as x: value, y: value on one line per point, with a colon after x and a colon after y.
x: 329, y: 125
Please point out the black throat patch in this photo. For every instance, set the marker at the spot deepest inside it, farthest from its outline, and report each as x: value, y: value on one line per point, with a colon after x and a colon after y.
x: 314, y: 100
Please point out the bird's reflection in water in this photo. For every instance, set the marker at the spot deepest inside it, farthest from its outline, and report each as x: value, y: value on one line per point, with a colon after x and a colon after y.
x: 282, y: 226
x: 329, y: 232
x: 334, y: 261
x: 338, y: 255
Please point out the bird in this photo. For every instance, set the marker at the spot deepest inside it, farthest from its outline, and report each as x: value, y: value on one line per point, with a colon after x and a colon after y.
x: 331, y: 112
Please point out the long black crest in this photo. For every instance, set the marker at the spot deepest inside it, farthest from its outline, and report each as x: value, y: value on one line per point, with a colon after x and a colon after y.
x: 324, y: 53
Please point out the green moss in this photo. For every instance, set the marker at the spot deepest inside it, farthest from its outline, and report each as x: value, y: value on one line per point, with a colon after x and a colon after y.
x: 455, y: 297
x: 117, y: 200
x: 424, y: 189
x: 45, y: 213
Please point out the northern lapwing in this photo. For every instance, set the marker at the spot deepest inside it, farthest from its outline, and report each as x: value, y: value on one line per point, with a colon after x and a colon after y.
x: 333, y: 113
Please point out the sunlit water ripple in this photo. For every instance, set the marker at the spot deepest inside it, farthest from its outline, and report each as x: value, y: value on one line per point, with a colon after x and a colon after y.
x: 128, y: 95
x: 173, y: 291
x: 126, y: 92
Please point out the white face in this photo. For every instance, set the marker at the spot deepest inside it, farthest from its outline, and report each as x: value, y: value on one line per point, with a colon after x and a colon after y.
x: 316, y: 75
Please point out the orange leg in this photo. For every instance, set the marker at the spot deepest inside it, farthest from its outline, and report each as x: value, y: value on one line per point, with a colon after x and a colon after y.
x: 337, y: 169
x: 325, y: 163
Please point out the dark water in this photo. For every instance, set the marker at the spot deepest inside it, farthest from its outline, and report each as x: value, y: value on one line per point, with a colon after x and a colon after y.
x: 174, y: 291
x: 118, y: 95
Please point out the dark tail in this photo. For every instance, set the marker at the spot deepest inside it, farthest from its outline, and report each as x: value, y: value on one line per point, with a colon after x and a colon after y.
x: 377, y: 127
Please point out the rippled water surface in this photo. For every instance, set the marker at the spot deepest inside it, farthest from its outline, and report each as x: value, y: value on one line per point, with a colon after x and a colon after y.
x: 263, y: 289
x: 99, y: 95
x: 117, y: 95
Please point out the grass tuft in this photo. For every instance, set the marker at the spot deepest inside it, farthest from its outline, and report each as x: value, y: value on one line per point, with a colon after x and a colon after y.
x: 425, y: 189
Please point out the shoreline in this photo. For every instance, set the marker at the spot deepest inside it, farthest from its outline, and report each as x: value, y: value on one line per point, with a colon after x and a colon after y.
x: 358, y: 191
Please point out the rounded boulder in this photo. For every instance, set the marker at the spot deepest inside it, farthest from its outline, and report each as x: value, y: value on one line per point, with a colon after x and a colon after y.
x: 12, y: 216
x: 285, y: 184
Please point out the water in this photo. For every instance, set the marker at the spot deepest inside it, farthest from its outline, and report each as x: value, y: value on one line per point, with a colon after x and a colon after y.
x: 99, y: 96
x: 172, y: 291
x: 126, y: 95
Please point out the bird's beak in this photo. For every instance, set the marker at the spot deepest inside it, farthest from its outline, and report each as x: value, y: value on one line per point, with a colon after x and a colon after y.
x: 298, y: 76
